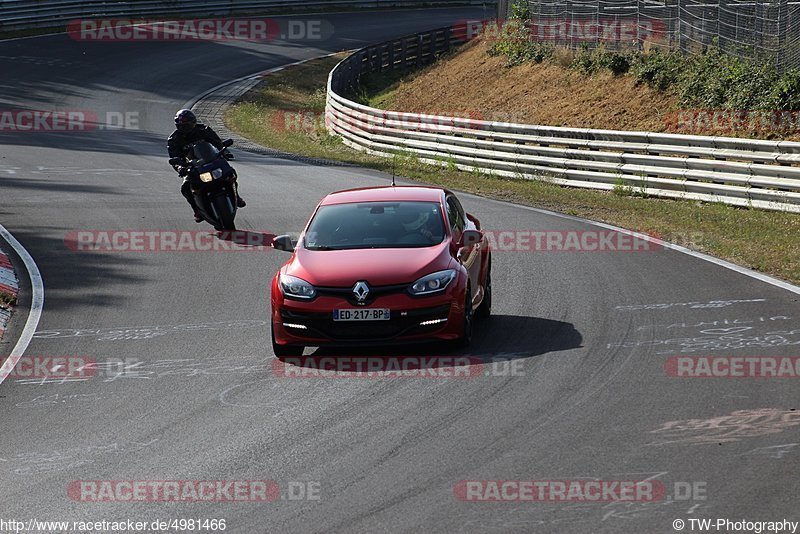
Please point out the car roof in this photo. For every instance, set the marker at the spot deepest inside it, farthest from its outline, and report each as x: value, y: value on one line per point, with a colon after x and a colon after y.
x: 385, y: 194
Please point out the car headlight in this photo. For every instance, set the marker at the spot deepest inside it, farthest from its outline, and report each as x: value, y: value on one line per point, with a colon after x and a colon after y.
x: 297, y: 287
x: 432, y: 283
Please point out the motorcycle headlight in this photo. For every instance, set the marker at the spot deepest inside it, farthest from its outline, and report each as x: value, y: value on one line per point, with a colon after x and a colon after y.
x: 216, y: 174
x: 432, y: 283
x: 297, y: 287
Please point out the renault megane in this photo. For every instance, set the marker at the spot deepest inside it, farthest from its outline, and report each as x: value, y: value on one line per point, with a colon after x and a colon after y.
x: 382, y: 265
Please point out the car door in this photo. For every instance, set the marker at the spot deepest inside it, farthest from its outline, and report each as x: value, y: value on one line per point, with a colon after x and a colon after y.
x: 469, y: 256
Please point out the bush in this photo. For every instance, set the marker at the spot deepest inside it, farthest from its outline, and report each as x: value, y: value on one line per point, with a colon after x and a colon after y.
x: 713, y: 80
x: 708, y: 80
x: 512, y: 42
x: 516, y: 44
x: 520, y: 10
x: 591, y: 61
x: 786, y: 91
x: 617, y: 63
x: 585, y: 60
x: 658, y: 70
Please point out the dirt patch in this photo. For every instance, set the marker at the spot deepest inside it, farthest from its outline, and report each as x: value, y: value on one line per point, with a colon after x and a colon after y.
x: 544, y: 93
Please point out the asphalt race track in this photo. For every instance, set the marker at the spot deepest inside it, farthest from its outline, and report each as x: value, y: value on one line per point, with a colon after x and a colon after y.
x: 186, y: 388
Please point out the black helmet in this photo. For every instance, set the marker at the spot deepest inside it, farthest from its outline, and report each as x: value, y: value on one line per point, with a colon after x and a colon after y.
x: 185, y: 120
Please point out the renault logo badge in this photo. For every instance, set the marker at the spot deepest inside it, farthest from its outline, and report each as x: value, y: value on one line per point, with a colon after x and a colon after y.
x: 361, y: 290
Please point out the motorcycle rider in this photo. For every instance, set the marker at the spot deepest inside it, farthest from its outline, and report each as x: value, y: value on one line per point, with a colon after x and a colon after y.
x: 188, y: 131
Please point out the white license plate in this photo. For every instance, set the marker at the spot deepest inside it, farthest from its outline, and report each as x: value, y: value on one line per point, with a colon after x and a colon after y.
x: 362, y: 314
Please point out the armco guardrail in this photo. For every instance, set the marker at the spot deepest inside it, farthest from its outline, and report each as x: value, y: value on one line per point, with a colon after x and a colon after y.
x: 740, y: 172
x: 34, y: 14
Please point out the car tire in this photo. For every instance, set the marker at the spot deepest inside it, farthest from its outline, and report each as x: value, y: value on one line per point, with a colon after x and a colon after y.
x: 469, y: 321
x: 284, y: 351
x: 485, y: 309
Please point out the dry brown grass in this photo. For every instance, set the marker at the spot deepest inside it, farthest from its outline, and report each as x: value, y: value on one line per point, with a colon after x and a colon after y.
x: 544, y: 93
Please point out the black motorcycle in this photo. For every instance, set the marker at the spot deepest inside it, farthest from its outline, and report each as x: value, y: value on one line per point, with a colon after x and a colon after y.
x: 213, y: 182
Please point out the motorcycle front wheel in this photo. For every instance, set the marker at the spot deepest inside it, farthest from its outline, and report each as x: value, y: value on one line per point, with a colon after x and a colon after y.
x: 224, y: 209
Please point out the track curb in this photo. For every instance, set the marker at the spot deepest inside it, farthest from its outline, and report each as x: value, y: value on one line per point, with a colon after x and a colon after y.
x: 8, y: 284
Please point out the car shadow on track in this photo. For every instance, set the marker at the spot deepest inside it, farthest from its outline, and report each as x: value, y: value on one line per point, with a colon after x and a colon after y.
x: 500, y: 337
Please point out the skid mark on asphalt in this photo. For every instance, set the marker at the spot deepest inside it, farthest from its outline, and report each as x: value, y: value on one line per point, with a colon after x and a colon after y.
x: 33, y: 462
x: 691, y: 305
x: 136, y: 333
x: 60, y: 399
x: 736, y: 426
x: 776, y: 452
x: 137, y: 370
x: 721, y: 323
x: 715, y: 343
x: 226, y: 397
x: 717, y: 335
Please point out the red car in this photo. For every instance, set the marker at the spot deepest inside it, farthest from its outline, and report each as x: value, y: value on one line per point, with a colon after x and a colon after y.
x: 380, y: 266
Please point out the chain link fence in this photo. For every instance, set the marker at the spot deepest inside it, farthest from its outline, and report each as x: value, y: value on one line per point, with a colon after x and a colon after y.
x: 766, y: 30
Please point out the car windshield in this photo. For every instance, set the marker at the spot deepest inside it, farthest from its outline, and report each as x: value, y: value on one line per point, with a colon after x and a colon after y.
x: 205, y: 152
x: 375, y: 225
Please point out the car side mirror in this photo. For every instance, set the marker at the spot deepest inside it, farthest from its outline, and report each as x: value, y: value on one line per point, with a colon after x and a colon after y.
x: 469, y: 238
x: 175, y: 161
x: 283, y: 242
x: 227, y: 142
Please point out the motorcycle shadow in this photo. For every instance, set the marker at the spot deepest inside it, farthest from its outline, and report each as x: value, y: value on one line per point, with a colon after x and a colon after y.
x: 247, y: 238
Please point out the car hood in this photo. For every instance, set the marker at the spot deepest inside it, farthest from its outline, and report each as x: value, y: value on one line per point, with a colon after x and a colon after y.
x: 378, y: 267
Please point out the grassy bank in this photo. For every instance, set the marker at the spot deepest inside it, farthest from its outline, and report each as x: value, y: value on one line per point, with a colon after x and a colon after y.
x: 765, y: 241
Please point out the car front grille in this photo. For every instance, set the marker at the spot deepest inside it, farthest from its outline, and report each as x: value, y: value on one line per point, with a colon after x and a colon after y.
x: 374, y: 292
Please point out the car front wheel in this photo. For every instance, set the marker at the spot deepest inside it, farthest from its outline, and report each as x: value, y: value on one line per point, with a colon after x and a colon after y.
x: 469, y: 321
x: 485, y: 309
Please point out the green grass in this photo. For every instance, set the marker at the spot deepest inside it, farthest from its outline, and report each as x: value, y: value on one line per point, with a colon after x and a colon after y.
x: 762, y: 240
x: 7, y: 300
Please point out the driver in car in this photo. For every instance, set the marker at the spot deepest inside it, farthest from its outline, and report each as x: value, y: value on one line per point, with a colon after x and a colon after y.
x: 188, y: 131
x: 421, y: 223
